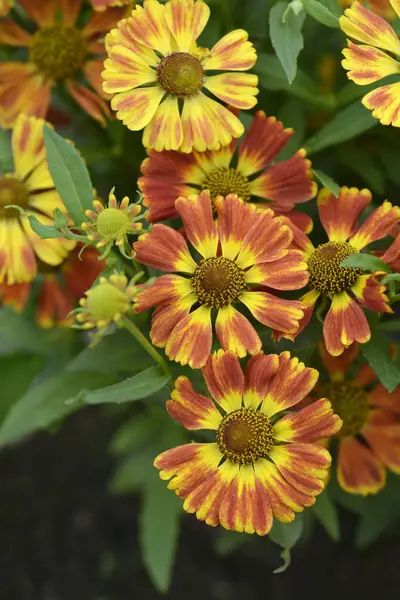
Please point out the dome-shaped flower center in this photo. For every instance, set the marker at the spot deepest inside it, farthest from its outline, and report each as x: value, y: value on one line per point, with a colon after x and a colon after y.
x: 350, y: 403
x: 222, y: 182
x: 181, y: 74
x: 105, y: 301
x: 217, y: 282
x: 12, y: 191
x: 58, y: 52
x: 245, y: 436
x: 326, y: 274
x: 112, y: 224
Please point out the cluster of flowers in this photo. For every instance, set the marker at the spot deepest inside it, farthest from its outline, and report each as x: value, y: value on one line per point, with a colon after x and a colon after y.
x: 243, y: 245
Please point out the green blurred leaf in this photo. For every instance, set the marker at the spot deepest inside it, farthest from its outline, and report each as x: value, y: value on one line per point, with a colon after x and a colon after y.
x: 159, y: 529
x: 70, y: 175
x: 377, y: 353
x: 292, y: 115
x: 366, y: 167
x: 6, y: 156
x: 345, y: 125
x: 16, y: 374
x: 48, y: 402
x: 132, y: 434
x: 287, y: 534
x: 320, y: 13
x: 368, y: 262
x: 327, y: 182
x: 228, y: 542
x: 286, y: 37
x: 391, y: 277
x: 325, y: 511
x: 133, y: 471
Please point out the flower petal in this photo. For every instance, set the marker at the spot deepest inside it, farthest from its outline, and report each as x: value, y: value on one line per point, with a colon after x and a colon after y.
x: 166, y: 316
x: 164, y: 249
x: 197, y: 216
x: 136, y: 107
x: 17, y: 260
x: 235, y: 218
x: 307, y: 305
x: 287, y: 273
x: 258, y: 373
x: 392, y: 254
x: 339, y: 216
x: 338, y: 366
x: 396, y: 6
x: 262, y: 143
x: 381, y: 398
x: 21, y: 90
x: 292, y: 382
x: 371, y: 293
x: 191, y: 339
x: 358, y: 470
x: 164, y: 132
x: 148, y: 26
x: 236, y: 333
x: 225, y: 380
x: 28, y: 146
x: 277, y: 313
x: 236, y: 89
x: 384, y: 441
x: 312, y: 423
x: 190, y: 409
x: 361, y: 24
x: 91, y: 103
x: 52, y: 251
x: 186, y: 20
x: 12, y: 34
x: 377, y: 226
x: 43, y: 13
x: 101, y: 22
x: 294, y: 218
x: 385, y: 104
x: 233, y: 52
x: 344, y: 324
x: 166, y: 288
x: 125, y: 70
x: 366, y: 64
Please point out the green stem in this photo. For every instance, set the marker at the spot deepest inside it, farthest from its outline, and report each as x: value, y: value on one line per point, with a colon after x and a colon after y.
x: 138, y: 335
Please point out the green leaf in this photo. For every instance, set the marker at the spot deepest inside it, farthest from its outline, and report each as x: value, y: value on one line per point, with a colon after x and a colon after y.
x: 16, y: 374
x: 286, y: 557
x: 158, y: 535
x: 327, y: 182
x: 391, y: 277
x: 287, y: 534
x: 320, y: 13
x: 368, y: 262
x: 377, y: 353
x: 132, y: 472
x: 70, y: 175
x: 137, y: 387
x: 132, y: 434
x: 326, y: 513
x: 6, y: 156
x: 345, y: 125
x: 228, y: 542
x: 60, y: 219
x: 365, y: 166
x: 286, y: 37
x: 48, y: 402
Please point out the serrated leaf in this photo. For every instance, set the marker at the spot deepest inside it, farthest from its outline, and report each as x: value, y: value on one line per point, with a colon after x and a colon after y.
x: 326, y: 513
x: 327, y: 182
x: 345, y: 125
x: 287, y: 534
x: 137, y: 387
x: 377, y: 353
x: 368, y: 262
x: 70, y: 175
x: 320, y: 13
x: 286, y: 37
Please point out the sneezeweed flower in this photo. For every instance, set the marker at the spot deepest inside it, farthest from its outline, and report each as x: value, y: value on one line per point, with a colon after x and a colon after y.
x: 344, y: 287
x: 255, y: 177
x: 155, y: 66
x: 31, y: 188
x: 59, y: 53
x: 5, y: 7
x: 111, y: 224
x: 262, y: 465
x: 56, y: 290
x: 247, y: 247
x: 369, y: 441
x: 105, y: 303
x: 367, y: 63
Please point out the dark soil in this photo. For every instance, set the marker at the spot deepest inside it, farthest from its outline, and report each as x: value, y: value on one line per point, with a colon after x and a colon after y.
x: 65, y: 537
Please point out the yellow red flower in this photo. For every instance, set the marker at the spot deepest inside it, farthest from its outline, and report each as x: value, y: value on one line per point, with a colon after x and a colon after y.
x: 5, y: 7
x: 369, y: 441
x: 383, y: 8
x: 262, y: 465
x: 154, y: 65
x: 372, y: 61
x: 245, y: 248
x: 31, y: 188
x: 59, y: 52
x: 344, y: 287
x: 169, y: 174
x: 58, y: 289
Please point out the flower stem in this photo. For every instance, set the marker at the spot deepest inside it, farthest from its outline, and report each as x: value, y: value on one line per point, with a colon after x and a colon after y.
x: 138, y: 335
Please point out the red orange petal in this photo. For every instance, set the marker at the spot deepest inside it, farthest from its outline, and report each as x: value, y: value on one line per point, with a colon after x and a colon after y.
x: 190, y: 409
x: 344, y: 324
x: 339, y: 215
x: 225, y: 380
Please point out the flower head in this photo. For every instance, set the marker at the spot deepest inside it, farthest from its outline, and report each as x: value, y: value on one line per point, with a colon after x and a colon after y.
x: 112, y: 224
x: 367, y: 63
x: 369, y: 441
x: 59, y: 52
x: 57, y: 289
x: 262, y: 465
x: 167, y: 175
x: 155, y: 66
x: 31, y: 188
x: 105, y: 303
x: 346, y: 288
x: 247, y: 247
